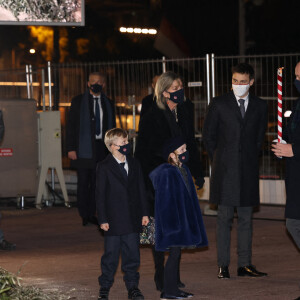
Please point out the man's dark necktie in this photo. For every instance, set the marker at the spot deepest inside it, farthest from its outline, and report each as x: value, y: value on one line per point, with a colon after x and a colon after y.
x: 122, y: 165
x: 242, y: 107
x: 97, y: 117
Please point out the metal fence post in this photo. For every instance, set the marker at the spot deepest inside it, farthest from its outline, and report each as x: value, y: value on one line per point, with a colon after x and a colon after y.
x: 50, y: 108
x: 27, y: 81
x: 43, y: 89
x: 49, y: 81
x: 164, y: 68
x: 213, y: 79
x: 30, y: 81
x: 208, y: 78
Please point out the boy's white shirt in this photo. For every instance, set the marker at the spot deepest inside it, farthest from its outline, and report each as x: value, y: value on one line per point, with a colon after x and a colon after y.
x: 119, y: 161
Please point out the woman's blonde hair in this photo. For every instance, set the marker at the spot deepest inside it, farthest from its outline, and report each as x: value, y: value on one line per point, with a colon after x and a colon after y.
x: 112, y: 134
x: 163, y: 83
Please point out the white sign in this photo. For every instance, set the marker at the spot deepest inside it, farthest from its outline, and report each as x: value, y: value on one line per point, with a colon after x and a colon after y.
x: 194, y: 83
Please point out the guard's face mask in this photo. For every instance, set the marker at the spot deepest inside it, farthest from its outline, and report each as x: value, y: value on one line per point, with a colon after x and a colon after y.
x: 96, y: 88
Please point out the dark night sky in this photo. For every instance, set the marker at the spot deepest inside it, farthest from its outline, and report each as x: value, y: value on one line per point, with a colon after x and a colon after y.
x: 212, y: 25
x: 208, y: 26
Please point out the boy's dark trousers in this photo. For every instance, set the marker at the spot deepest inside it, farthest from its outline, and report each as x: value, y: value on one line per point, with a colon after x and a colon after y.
x: 128, y: 245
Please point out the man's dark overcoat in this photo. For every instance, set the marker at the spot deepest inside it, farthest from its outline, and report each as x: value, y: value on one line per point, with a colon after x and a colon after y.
x: 292, y: 180
x: 233, y: 145
x: 73, y: 127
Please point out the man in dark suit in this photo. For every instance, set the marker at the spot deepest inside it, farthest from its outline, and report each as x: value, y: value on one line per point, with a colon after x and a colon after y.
x: 122, y: 209
x: 233, y: 134
x: 291, y: 151
x: 149, y: 100
x: 90, y: 116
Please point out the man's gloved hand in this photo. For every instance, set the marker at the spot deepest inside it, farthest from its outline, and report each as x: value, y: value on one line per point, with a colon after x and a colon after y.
x: 199, y: 182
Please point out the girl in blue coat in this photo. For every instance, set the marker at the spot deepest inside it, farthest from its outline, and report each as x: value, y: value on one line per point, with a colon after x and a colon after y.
x: 178, y: 217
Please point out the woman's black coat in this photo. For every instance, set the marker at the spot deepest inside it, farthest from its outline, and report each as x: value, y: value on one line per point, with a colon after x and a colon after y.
x: 154, y: 130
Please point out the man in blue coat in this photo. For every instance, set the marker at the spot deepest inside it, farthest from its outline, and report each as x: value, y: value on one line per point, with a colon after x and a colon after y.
x: 233, y: 134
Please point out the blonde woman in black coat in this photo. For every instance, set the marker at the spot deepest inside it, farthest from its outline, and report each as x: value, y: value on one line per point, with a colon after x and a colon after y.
x: 170, y: 116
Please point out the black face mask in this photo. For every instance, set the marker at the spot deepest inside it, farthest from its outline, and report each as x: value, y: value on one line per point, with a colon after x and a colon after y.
x: 297, y: 85
x: 177, y: 97
x: 125, y: 149
x: 96, y: 88
x: 184, y: 157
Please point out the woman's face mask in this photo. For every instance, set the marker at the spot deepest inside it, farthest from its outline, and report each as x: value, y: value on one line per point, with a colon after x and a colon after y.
x: 177, y: 97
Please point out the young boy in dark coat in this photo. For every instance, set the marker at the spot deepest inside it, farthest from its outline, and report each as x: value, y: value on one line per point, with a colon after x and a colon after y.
x: 122, y: 210
x: 178, y: 219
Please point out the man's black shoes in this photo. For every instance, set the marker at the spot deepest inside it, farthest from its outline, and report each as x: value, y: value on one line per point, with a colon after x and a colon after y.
x: 223, y: 273
x: 135, y: 294
x: 250, y: 271
x: 5, y: 245
x: 103, y: 294
x: 180, y: 295
x: 85, y: 221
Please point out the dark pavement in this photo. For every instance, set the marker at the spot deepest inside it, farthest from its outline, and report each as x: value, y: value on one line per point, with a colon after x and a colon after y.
x: 55, y: 252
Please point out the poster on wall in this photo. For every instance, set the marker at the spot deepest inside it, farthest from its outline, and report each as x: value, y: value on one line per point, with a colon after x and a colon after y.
x: 42, y: 12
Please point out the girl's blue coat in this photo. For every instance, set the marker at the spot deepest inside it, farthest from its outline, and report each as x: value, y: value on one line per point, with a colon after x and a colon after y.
x: 178, y: 218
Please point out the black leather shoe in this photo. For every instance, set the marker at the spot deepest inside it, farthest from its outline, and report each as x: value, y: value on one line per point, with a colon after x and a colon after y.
x: 135, y: 294
x: 165, y: 296
x: 250, y: 271
x: 180, y: 285
x: 103, y: 293
x: 223, y: 273
x: 159, y: 287
x: 186, y: 294
x: 85, y: 221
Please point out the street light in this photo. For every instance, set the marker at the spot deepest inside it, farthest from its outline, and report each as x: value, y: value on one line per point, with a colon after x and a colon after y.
x: 32, y: 51
x: 138, y: 30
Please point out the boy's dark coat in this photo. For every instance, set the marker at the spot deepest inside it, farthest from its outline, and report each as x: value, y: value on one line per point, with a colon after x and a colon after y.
x: 120, y: 200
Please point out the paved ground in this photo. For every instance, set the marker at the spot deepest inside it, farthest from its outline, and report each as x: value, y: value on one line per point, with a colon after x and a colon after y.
x: 55, y: 252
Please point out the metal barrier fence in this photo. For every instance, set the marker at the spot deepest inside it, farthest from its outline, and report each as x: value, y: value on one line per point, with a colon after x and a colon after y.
x: 129, y: 81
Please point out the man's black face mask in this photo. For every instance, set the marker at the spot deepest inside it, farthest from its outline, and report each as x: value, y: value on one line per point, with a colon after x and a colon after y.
x: 96, y: 88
